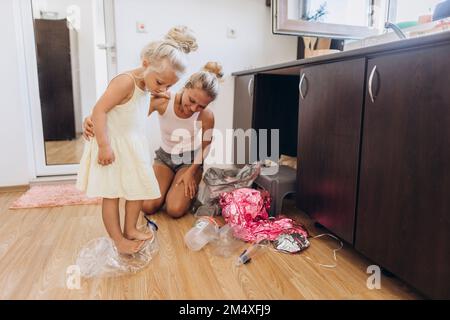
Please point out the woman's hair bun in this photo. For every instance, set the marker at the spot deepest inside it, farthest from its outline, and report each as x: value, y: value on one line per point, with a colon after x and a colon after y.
x: 183, y: 37
x: 215, y: 68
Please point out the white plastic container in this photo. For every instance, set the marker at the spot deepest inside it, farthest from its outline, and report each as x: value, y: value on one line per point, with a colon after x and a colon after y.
x: 204, y: 230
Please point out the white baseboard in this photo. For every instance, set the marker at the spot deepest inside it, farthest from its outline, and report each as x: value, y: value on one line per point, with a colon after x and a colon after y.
x: 53, y: 180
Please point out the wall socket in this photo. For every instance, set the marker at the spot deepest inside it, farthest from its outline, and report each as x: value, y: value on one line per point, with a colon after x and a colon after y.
x: 231, y: 33
x: 141, y: 27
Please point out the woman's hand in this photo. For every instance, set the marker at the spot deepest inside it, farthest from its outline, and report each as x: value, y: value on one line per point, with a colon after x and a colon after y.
x: 106, y: 155
x: 88, y: 127
x: 190, y: 185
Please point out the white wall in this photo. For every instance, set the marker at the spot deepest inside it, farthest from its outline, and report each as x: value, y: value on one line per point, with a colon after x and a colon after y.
x: 254, y: 45
x: 15, y: 163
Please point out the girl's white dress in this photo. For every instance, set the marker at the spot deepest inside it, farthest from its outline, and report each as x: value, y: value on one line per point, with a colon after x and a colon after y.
x: 131, y: 175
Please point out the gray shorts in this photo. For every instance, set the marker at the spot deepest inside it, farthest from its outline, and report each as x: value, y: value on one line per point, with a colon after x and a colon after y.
x: 177, y: 161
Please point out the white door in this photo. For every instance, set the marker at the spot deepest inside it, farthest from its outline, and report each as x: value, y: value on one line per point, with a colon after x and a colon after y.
x: 70, y: 57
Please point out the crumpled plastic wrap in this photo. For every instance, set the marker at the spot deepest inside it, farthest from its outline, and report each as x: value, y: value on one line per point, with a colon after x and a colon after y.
x: 209, y: 209
x: 246, y: 210
x: 100, y: 258
x: 217, y: 180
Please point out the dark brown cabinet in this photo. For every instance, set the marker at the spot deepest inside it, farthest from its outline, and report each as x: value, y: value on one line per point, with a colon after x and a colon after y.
x: 403, y: 220
x: 243, y: 116
x: 330, y: 113
x: 373, y: 150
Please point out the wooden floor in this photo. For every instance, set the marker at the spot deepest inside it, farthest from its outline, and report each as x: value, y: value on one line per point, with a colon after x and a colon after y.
x: 64, y: 152
x: 37, y: 246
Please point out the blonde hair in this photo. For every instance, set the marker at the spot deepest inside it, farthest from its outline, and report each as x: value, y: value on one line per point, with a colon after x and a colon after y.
x: 207, y: 79
x: 178, y: 42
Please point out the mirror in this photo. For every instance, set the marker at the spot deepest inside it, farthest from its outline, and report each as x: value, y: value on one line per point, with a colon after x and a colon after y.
x: 72, y: 72
x: 337, y: 19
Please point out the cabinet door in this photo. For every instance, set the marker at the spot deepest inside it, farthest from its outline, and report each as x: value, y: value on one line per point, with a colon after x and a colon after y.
x: 243, y: 113
x: 404, y: 202
x: 330, y: 114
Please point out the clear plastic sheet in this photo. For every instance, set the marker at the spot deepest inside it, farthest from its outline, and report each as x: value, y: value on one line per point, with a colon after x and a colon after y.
x: 100, y: 258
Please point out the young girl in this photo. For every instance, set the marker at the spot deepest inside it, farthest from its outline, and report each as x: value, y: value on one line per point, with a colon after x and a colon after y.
x: 116, y: 164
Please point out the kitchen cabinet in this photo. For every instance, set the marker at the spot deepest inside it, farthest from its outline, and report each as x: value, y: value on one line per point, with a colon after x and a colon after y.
x: 329, y: 125
x: 243, y: 117
x: 403, y: 219
x: 374, y: 151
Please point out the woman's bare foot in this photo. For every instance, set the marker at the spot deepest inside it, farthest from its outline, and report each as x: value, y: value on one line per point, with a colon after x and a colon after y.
x: 127, y: 246
x: 135, y: 234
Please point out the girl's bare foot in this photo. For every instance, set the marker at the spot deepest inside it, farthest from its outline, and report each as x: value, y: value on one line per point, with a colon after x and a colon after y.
x: 135, y: 234
x: 126, y: 246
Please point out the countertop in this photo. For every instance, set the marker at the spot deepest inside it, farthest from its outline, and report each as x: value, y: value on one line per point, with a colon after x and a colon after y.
x: 400, y: 45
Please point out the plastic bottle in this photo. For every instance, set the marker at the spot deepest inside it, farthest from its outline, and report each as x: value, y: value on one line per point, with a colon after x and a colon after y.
x: 205, y: 229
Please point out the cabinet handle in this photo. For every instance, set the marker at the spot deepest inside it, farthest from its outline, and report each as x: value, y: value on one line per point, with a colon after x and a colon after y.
x: 250, y: 87
x: 372, y: 74
x: 302, y: 79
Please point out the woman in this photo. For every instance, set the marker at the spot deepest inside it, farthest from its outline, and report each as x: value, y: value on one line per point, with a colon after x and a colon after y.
x: 178, y: 162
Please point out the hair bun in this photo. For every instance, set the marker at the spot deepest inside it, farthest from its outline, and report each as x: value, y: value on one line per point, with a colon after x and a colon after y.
x: 183, y: 37
x: 214, y: 67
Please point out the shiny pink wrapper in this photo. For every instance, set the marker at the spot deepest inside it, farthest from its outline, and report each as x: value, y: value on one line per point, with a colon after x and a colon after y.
x: 246, y: 210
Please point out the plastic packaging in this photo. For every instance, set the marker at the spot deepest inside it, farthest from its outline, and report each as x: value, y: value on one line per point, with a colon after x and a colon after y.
x: 216, y: 181
x: 205, y: 230
x: 100, y: 258
x: 225, y: 244
x: 208, y: 210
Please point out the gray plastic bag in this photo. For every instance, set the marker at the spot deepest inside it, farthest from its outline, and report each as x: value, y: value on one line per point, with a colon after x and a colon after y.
x: 217, y: 180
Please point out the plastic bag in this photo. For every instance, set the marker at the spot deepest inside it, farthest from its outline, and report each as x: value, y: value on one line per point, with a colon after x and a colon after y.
x: 217, y: 181
x: 100, y: 258
x: 210, y: 210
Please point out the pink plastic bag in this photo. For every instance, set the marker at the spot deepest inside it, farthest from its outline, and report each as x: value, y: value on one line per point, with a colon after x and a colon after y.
x: 246, y: 210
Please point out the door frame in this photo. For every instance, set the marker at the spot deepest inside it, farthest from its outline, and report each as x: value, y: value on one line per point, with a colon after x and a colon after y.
x: 29, y: 74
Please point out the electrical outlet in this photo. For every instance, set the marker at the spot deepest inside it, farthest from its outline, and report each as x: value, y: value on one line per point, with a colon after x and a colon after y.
x: 231, y: 33
x: 141, y: 27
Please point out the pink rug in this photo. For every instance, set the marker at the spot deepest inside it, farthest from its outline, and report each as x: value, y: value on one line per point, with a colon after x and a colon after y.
x: 53, y: 196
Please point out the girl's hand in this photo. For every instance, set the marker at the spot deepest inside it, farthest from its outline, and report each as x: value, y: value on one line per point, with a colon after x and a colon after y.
x: 190, y: 185
x: 164, y: 94
x: 106, y: 155
x: 88, y: 127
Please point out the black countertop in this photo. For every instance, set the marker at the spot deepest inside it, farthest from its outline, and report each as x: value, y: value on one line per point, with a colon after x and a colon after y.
x: 362, y: 52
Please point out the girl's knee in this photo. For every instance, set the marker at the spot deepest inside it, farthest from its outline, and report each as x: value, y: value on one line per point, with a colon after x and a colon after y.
x: 151, y: 206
